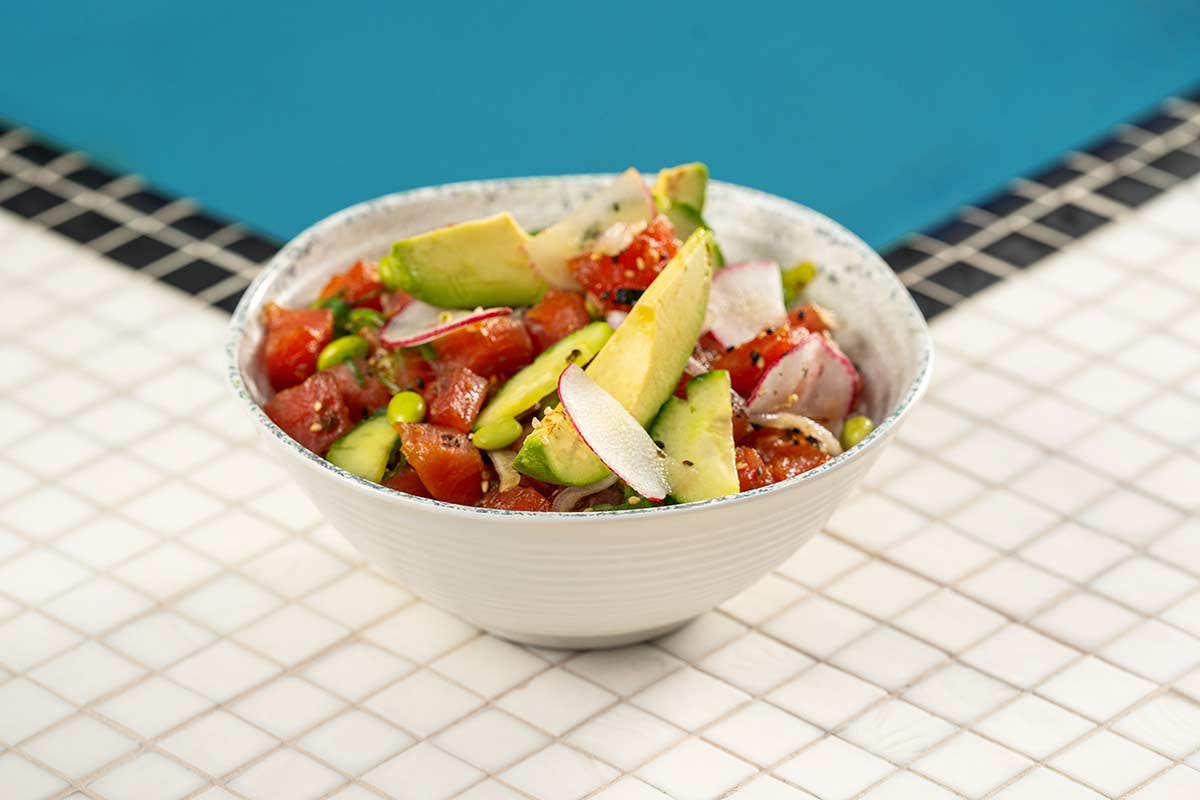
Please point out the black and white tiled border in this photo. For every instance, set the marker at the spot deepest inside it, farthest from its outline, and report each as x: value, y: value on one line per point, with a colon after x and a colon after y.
x: 214, y: 259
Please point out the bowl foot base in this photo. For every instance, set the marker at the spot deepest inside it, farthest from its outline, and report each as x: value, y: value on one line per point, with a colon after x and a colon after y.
x: 588, y: 642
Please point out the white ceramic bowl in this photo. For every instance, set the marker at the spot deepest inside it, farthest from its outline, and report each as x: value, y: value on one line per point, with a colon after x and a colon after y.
x: 608, y: 578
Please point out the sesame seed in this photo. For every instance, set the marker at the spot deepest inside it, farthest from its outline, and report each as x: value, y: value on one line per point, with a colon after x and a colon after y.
x: 317, y: 406
x: 628, y: 273
x: 315, y: 427
x: 740, y: 465
x: 484, y: 485
x: 641, y: 263
x: 793, y: 398
x: 633, y: 501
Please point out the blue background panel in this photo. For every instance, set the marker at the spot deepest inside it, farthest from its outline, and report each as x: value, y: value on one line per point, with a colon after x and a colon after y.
x: 884, y: 115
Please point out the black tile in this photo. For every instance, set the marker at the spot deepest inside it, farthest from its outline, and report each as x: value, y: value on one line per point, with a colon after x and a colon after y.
x: 198, y: 225
x: 1110, y: 149
x: 1018, y: 249
x: 1003, y: 204
x: 954, y: 231
x: 32, y: 201
x: 140, y: 252
x: 902, y: 257
x: 1056, y: 176
x: 929, y: 306
x: 230, y: 303
x: 92, y: 177
x: 254, y: 248
x: 38, y: 153
x: 196, y: 276
x: 1128, y: 191
x: 146, y: 201
x: 1157, y: 122
x: 1179, y: 163
x: 1071, y: 220
x: 87, y: 226
x: 964, y: 278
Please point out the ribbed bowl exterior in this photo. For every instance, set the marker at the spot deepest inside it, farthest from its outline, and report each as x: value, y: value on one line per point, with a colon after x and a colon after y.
x: 596, y: 579
x: 583, y: 581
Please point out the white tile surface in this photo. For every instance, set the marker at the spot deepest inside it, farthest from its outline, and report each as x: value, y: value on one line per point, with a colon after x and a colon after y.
x: 1001, y: 589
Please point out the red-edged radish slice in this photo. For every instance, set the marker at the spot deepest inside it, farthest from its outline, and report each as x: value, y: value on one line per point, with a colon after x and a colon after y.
x: 625, y: 201
x: 420, y: 322
x: 746, y: 298
x: 613, y: 434
x: 814, y: 379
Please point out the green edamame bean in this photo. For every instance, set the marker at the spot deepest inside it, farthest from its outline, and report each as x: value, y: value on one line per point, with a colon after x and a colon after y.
x: 854, y: 430
x: 360, y: 318
x: 498, y: 435
x: 406, y: 407
x: 795, y: 278
x: 342, y: 349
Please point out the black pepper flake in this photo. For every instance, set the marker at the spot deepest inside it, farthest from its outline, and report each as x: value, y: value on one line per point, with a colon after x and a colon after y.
x: 687, y: 463
x: 730, y: 349
x: 616, y: 207
x: 812, y: 440
x: 659, y: 444
x: 604, y: 295
x: 420, y: 383
x: 799, y: 315
x: 626, y: 295
x: 770, y: 331
x: 615, y: 260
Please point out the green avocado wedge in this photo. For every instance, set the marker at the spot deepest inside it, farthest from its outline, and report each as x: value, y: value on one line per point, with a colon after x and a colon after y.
x: 365, y: 450
x: 523, y: 391
x: 686, y: 183
x: 469, y: 264
x: 639, y: 366
x: 680, y: 192
x: 697, y: 436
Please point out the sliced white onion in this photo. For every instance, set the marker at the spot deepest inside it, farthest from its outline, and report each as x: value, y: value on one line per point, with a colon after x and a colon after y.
x: 420, y: 322
x: 745, y: 299
x: 613, y: 434
x: 502, y: 460
x: 617, y: 237
x: 625, y: 200
x: 814, y: 379
x: 806, y: 425
x: 568, y: 498
x: 615, y: 318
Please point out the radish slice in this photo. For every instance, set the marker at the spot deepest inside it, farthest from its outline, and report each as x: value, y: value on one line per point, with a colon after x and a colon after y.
x: 617, y: 237
x: 806, y: 425
x: 625, y: 201
x: 613, y: 434
x: 615, y: 318
x: 745, y: 299
x: 420, y: 322
x: 814, y: 379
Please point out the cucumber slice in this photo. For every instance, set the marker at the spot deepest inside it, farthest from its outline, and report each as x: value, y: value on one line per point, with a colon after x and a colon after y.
x: 365, y: 450
x: 523, y: 390
x: 697, y: 436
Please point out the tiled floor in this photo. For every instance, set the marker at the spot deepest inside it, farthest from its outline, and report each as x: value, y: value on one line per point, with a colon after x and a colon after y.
x: 1010, y: 609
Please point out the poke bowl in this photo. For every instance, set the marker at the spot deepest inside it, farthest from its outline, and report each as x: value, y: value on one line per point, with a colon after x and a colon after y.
x: 613, y: 567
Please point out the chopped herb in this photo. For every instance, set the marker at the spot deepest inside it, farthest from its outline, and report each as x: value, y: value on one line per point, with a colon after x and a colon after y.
x: 356, y: 372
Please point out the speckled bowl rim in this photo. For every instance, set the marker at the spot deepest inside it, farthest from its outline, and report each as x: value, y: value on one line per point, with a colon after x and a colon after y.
x: 254, y: 297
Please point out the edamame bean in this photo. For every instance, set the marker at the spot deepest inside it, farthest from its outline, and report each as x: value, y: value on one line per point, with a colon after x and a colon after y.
x: 342, y: 349
x: 360, y: 318
x: 406, y: 407
x: 854, y: 430
x: 497, y: 435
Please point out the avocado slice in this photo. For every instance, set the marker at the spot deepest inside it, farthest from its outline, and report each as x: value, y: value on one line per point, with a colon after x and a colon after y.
x: 686, y: 183
x: 469, y: 264
x: 679, y: 193
x: 697, y: 436
x: 365, y: 450
x: 639, y: 366
x: 523, y: 391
